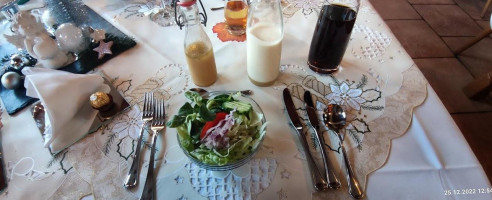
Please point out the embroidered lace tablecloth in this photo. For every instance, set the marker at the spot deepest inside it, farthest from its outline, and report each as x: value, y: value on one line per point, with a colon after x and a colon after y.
x: 378, y: 84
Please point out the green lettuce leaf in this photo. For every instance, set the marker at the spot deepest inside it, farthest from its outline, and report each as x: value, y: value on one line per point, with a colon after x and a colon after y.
x: 244, y: 136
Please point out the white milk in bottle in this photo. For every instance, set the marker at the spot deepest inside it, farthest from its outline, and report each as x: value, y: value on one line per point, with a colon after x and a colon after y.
x: 264, y: 33
x: 264, y: 46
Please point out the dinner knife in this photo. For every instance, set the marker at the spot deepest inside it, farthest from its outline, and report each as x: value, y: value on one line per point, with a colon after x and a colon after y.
x: 331, y: 178
x: 3, y: 177
x: 319, y: 182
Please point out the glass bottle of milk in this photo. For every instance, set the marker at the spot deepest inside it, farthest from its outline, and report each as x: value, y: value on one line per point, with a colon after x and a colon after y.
x: 198, y: 48
x: 265, y: 32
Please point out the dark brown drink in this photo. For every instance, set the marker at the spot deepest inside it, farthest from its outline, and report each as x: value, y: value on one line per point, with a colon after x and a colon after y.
x: 330, y: 38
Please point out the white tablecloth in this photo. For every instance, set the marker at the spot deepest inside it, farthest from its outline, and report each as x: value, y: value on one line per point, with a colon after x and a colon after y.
x: 431, y: 160
x: 432, y: 157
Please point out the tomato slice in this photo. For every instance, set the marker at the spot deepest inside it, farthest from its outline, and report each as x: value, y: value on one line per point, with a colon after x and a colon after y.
x: 208, y: 125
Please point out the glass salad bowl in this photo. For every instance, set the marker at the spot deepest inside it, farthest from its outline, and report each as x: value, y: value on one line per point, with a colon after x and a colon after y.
x: 244, y: 138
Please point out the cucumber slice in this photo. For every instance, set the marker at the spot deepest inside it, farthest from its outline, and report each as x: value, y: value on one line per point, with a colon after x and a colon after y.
x: 240, y: 106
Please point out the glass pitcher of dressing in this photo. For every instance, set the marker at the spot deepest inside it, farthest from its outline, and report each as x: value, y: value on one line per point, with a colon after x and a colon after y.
x: 198, y: 48
x: 265, y: 31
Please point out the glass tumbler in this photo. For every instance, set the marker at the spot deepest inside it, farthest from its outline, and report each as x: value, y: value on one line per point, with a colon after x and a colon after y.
x: 332, y: 34
x: 236, y: 14
x: 165, y: 16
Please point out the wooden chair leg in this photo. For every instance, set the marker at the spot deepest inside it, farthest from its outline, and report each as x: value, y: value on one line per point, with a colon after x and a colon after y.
x: 485, y: 33
x: 480, y: 87
x: 485, y: 8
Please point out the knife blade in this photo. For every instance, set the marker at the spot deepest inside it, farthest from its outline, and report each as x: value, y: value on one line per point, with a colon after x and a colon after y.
x: 319, y: 182
x: 3, y: 177
x: 331, y: 178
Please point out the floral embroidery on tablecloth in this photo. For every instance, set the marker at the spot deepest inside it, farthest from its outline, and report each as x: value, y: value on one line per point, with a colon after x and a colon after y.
x: 128, y: 125
x: 123, y: 132
x: 232, y: 186
x: 356, y: 98
x: 26, y: 169
x: 282, y: 194
x: 139, y: 9
x: 367, y: 9
x: 31, y: 174
x: 373, y: 45
x: 60, y: 159
x: 307, y: 7
x: 121, y: 135
x: 285, y: 174
x: 178, y: 179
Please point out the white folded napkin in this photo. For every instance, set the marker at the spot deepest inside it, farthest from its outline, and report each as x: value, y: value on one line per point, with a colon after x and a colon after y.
x: 65, y: 97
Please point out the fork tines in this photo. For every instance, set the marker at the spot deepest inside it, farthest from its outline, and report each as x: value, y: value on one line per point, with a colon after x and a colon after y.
x: 148, y: 109
x: 159, y: 113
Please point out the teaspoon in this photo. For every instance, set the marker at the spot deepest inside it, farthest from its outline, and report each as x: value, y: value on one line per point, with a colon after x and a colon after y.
x: 217, y: 8
x: 222, y: 7
x: 204, y: 92
x: 335, y: 118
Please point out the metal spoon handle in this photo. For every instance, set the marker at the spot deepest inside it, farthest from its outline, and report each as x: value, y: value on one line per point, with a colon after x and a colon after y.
x: 319, y: 182
x: 206, y: 93
x: 149, y: 188
x: 331, y: 178
x: 244, y: 92
x: 132, y: 177
x: 353, y: 183
x: 217, y: 8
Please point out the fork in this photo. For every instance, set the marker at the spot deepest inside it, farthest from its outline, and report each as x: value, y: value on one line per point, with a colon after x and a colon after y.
x: 132, y: 177
x: 158, y: 123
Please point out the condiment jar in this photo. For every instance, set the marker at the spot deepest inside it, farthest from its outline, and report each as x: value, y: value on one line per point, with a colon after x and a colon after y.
x: 198, y: 48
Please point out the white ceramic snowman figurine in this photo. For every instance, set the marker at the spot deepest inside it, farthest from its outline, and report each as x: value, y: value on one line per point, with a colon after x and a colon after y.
x: 37, y: 41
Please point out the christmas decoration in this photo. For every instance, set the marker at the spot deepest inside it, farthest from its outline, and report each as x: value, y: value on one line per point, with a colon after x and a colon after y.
x: 16, y: 61
x: 29, y: 34
x: 58, y: 12
x: 103, y: 48
x: 71, y: 38
x: 97, y: 34
x: 11, y: 80
x: 48, y: 19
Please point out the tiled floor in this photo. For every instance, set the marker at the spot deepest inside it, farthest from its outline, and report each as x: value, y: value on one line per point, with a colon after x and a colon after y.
x: 430, y: 31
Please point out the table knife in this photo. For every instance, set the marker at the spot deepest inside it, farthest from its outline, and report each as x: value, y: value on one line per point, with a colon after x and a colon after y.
x: 319, y: 182
x: 331, y: 178
x: 3, y: 177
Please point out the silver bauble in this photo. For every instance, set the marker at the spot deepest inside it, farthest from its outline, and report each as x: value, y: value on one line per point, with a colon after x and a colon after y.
x: 71, y: 38
x: 11, y: 80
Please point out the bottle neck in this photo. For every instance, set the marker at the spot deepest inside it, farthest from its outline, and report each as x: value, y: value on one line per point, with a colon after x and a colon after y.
x: 191, y: 15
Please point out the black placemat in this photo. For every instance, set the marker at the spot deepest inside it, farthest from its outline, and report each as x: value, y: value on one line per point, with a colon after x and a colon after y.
x: 69, y: 11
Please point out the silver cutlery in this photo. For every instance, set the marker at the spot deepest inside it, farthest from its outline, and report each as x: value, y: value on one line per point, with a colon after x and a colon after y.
x: 158, y: 123
x: 217, y: 8
x: 335, y: 118
x: 319, y: 182
x: 3, y: 175
x: 331, y: 178
x: 222, y: 7
x: 204, y: 92
x: 131, y: 179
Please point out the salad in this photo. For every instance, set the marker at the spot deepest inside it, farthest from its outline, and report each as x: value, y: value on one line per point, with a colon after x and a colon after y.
x: 220, y: 130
